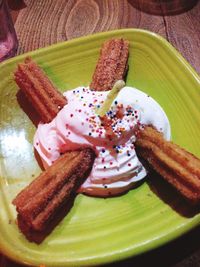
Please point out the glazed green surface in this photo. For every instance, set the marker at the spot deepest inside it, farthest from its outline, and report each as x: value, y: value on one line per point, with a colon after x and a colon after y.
x: 98, y: 230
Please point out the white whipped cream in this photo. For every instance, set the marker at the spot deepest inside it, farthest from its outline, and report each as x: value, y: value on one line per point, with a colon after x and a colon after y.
x: 116, y: 167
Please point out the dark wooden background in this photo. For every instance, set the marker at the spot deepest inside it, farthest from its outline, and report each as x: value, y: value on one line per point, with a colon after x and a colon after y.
x: 39, y: 23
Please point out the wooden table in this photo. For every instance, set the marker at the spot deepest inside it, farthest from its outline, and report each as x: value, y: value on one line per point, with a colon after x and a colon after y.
x: 44, y: 22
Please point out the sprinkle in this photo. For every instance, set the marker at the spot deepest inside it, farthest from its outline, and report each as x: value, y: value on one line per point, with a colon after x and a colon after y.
x: 37, y: 144
x: 90, y: 134
x: 111, y: 163
x: 103, y: 160
x: 49, y: 148
x: 129, y: 164
x: 104, y: 167
x: 105, y: 186
x: 103, y: 151
x: 79, y: 110
x: 116, y: 102
x: 71, y: 115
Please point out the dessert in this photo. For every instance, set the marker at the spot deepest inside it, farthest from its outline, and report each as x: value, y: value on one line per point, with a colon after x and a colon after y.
x: 40, y: 201
x: 111, y: 66
x: 179, y: 167
x: 116, y: 167
x: 72, y: 128
x: 39, y: 90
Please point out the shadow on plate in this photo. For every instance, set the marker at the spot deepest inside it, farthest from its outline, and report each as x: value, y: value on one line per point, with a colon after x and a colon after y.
x: 170, y: 196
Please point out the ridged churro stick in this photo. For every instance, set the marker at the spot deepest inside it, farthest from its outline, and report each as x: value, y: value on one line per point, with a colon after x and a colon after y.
x: 40, y: 91
x: 39, y: 202
x: 177, y: 166
x: 111, y: 65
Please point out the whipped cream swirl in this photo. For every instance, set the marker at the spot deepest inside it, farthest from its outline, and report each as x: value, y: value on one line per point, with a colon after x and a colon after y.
x: 116, y: 167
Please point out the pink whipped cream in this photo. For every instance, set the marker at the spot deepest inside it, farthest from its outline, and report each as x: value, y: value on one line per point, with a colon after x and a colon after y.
x: 117, y: 167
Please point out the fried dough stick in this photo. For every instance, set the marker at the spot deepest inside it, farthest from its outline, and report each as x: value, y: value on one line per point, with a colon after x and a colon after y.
x: 176, y: 165
x: 40, y: 201
x: 39, y: 90
x: 111, y: 66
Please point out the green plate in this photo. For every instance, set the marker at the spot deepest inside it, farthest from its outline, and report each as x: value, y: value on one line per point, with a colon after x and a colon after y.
x: 98, y: 230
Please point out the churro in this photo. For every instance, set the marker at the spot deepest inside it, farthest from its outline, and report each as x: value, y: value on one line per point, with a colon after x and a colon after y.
x: 39, y: 202
x: 39, y: 90
x: 111, y: 65
x: 176, y: 165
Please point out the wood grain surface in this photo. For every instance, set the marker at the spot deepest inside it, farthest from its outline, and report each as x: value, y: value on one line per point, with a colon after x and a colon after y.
x: 44, y: 22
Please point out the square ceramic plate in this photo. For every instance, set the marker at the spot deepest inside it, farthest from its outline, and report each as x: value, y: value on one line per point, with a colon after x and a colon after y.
x: 96, y: 230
